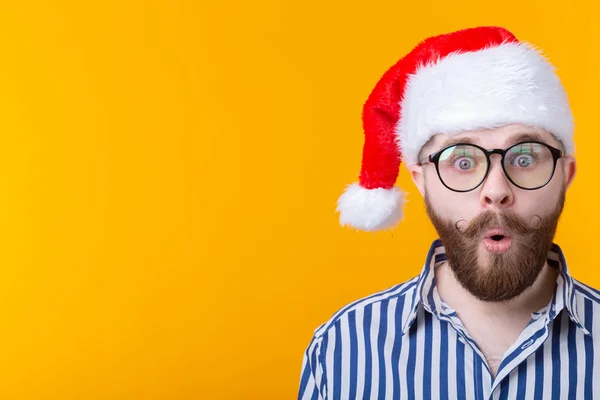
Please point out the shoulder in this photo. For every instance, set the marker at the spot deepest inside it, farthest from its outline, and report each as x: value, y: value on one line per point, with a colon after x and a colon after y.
x: 336, y: 331
x: 585, y: 291
x: 587, y: 301
x: 398, y: 293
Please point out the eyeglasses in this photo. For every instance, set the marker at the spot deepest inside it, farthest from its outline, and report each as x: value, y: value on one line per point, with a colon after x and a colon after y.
x: 463, y: 167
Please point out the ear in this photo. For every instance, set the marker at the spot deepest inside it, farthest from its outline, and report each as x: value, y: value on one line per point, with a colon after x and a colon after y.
x: 570, y: 168
x: 416, y: 173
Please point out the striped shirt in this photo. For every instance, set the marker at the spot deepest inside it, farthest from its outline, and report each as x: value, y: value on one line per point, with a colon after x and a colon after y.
x: 406, y: 343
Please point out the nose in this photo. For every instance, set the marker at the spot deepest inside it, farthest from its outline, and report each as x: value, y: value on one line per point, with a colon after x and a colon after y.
x: 496, y: 191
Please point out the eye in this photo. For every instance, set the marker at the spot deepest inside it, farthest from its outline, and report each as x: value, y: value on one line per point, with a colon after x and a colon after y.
x: 523, y: 160
x: 464, y: 164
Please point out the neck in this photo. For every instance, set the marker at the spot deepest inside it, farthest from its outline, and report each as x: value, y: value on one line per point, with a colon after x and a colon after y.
x: 533, y: 299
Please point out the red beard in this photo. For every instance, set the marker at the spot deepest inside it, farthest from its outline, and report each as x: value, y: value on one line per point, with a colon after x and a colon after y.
x: 508, y: 274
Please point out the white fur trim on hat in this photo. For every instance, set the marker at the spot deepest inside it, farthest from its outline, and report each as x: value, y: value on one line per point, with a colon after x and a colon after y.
x: 501, y: 85
x: 370, y: 209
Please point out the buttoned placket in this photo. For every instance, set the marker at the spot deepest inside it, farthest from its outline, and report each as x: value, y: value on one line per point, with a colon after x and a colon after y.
x: 527, y: 343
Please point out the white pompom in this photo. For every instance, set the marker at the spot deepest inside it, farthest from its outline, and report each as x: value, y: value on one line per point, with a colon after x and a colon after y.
x: 370, y: 209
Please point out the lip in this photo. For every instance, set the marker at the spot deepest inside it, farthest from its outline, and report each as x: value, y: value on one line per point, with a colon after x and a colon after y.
x: 497, y: 246
x: 496, y: 231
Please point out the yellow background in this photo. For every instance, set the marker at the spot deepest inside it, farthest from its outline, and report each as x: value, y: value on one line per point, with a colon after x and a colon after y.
x: 169, y: 172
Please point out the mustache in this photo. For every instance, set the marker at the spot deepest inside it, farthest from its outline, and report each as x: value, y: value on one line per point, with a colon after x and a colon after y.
x: 507, y: 219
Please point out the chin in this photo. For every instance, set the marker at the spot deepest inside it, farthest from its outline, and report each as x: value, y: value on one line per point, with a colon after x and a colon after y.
x: 486, y: 259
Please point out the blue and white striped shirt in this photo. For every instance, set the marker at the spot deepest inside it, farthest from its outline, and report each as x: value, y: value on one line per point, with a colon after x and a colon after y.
x: 406, y: 343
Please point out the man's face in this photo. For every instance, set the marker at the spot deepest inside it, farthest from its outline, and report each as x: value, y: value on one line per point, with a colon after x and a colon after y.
x: 470, y: 223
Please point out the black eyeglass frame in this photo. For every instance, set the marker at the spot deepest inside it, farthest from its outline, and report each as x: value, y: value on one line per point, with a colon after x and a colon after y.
x: 434, y: 158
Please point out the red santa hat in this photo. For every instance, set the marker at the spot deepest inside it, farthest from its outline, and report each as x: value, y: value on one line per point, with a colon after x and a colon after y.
x: 475, y: 78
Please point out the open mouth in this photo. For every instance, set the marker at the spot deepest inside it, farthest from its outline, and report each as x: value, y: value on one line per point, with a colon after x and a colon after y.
x: 497, y: 241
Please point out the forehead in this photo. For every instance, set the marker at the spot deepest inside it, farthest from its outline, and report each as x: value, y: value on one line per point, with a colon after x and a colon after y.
x: 492, y: 138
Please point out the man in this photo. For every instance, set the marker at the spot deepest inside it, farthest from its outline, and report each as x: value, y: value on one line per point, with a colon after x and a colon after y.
x: 483, y: 124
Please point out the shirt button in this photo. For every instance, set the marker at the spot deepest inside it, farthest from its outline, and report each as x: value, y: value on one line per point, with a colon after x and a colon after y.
x: 527, y: 344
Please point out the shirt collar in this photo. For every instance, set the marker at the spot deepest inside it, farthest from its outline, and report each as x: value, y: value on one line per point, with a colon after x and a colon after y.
x: 426, y: 296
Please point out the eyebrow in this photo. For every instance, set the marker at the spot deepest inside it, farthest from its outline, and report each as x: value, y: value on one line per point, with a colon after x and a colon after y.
x: 522, y: 137
x: 452, y: 140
